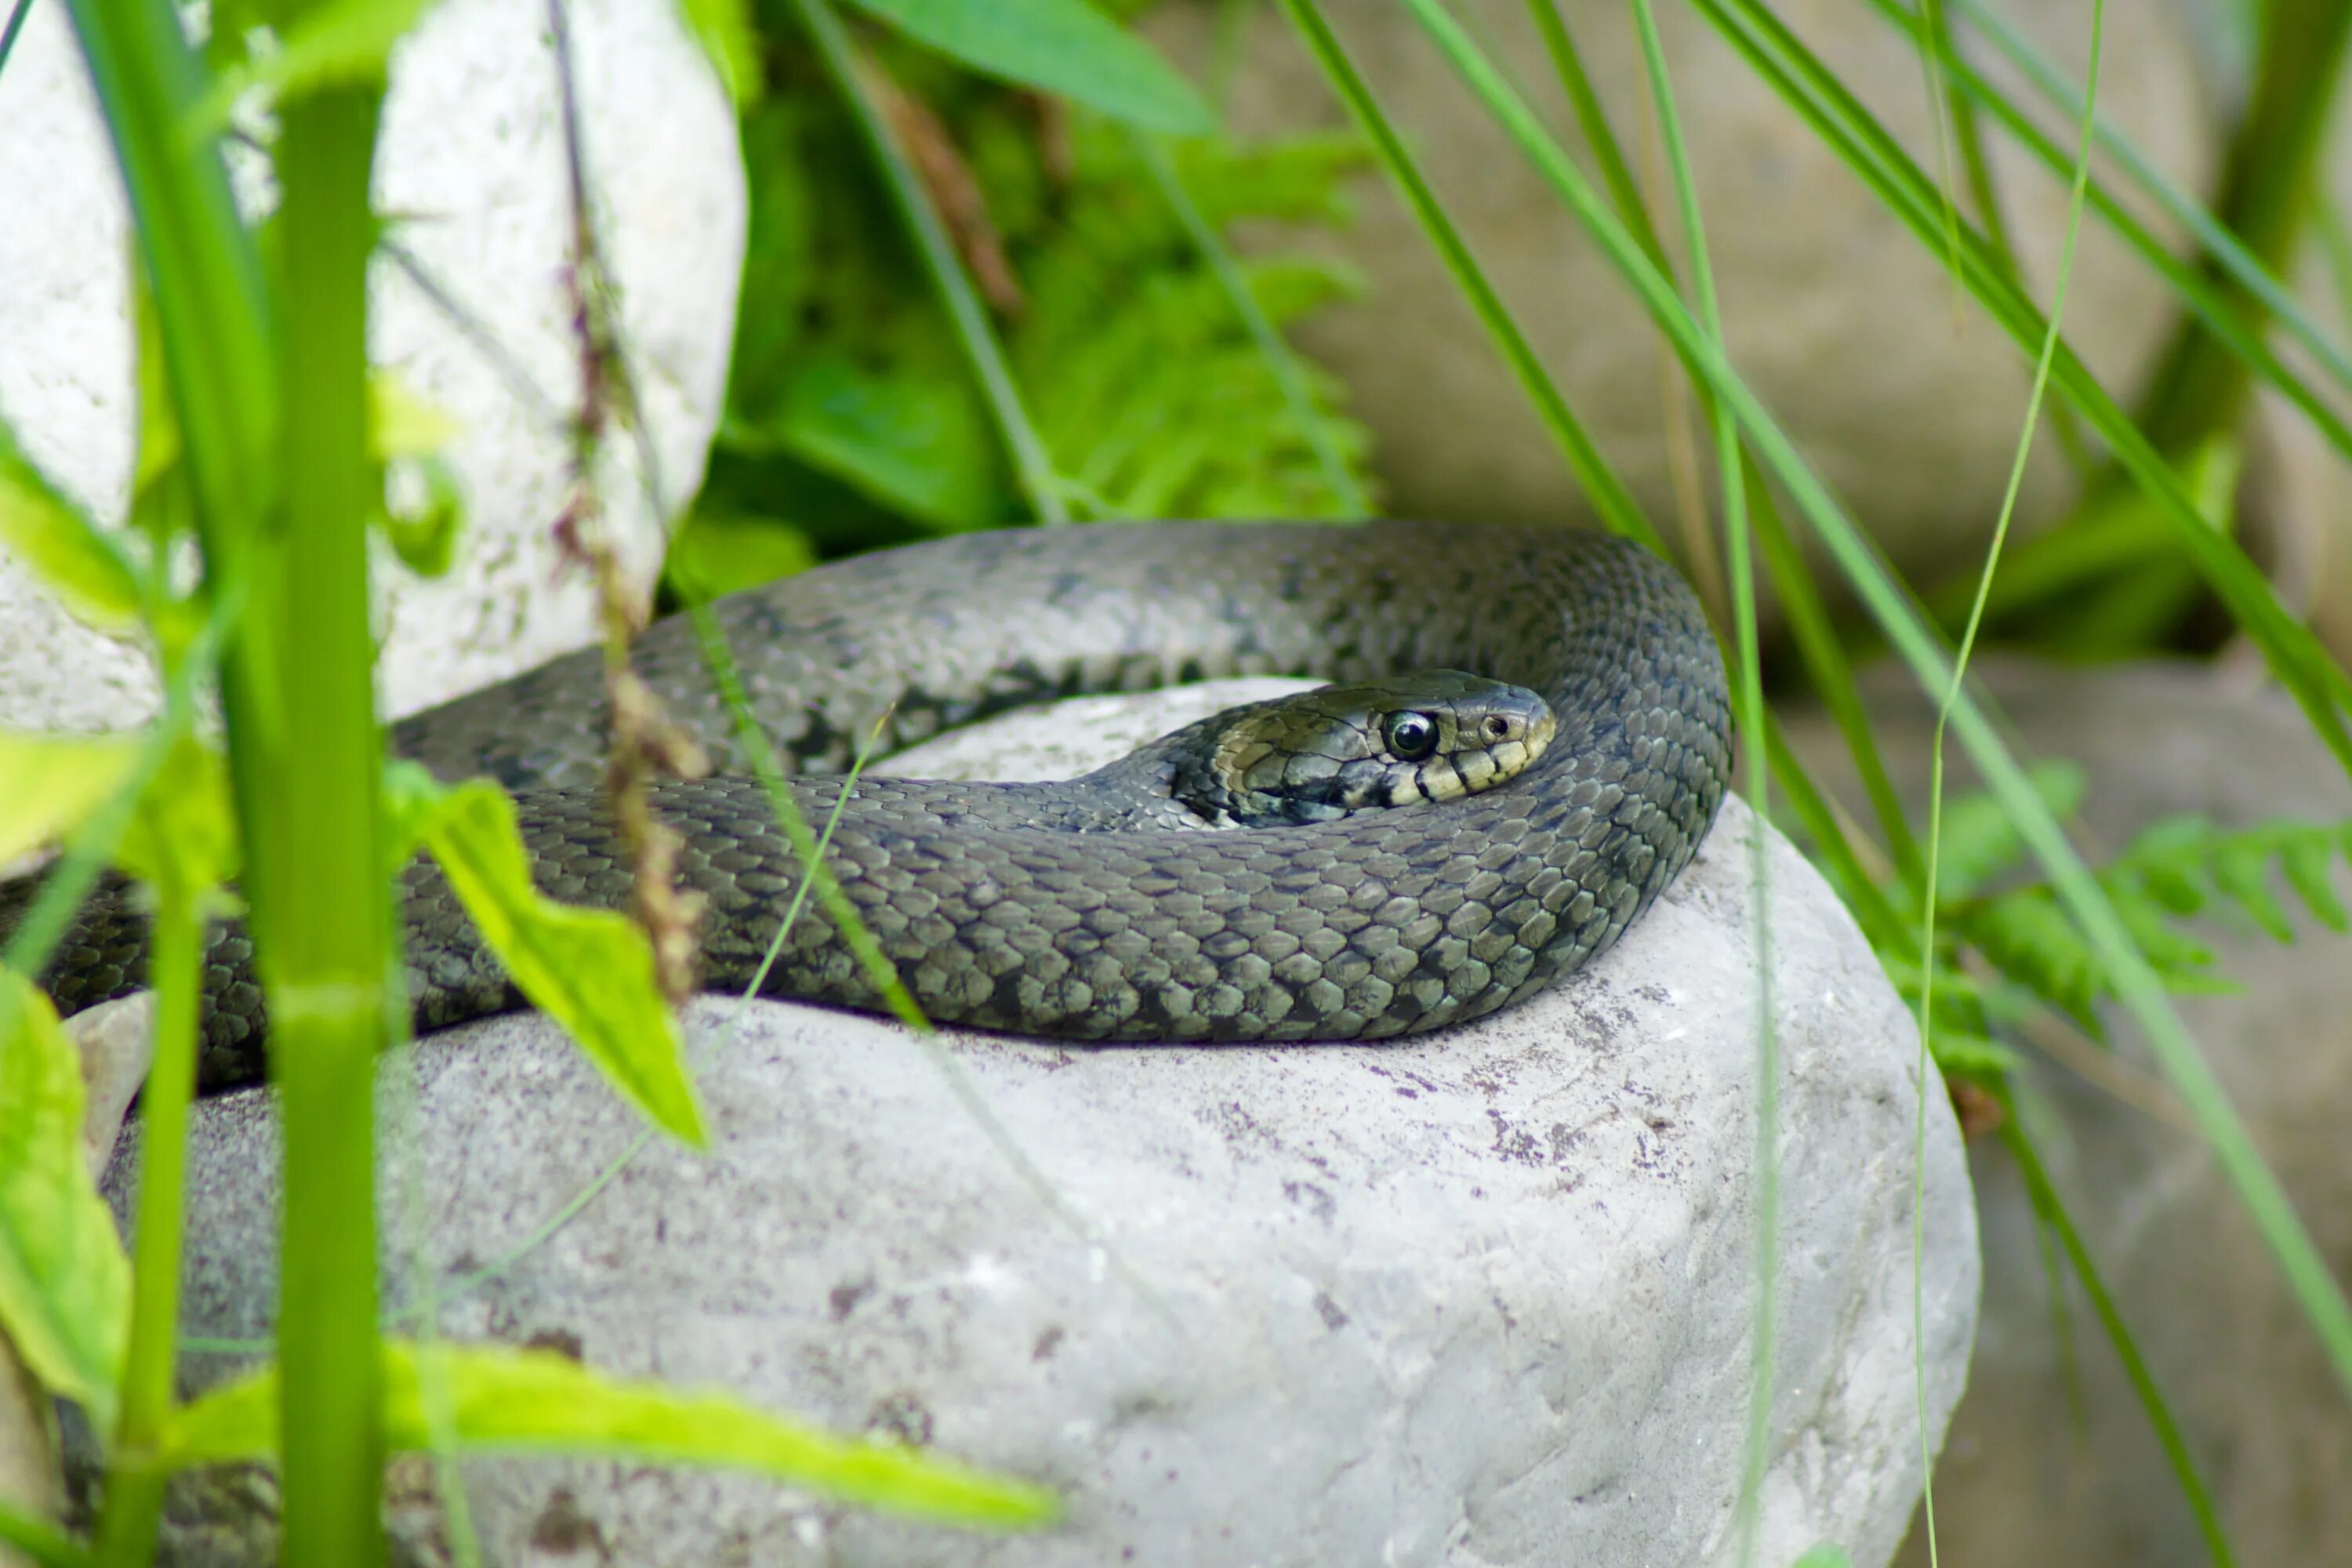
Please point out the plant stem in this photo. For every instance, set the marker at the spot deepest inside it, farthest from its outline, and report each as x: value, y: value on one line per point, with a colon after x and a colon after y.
x: 2265, y: 194
x: 311, y: 802
x: 134, y: 1485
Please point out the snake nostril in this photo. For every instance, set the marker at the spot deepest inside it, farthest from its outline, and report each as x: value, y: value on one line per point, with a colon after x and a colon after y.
x: 1497, y: 727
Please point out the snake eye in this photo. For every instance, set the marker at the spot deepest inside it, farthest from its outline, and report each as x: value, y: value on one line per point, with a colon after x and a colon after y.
x: 1498, y: 728
x: 1411, y: 736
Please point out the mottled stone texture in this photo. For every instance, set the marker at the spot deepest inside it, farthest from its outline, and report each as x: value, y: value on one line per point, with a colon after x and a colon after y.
x: 1480, y: 1298
x: 470, y: 174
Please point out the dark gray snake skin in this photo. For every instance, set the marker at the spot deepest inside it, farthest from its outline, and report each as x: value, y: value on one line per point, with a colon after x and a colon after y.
x: 1011, y: 906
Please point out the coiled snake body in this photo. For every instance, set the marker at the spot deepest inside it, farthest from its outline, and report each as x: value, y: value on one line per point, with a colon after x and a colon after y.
x: 1081, y: 909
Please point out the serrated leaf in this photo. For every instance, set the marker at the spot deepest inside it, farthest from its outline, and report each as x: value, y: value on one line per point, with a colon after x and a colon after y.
x: 2167, y: 947
x: 72, y: 556
x: 537, y: 1402
x: 2030, y: 940
x: 2308, y: 859
x: 53, y: 782
x: 65, y: 1284
x: 590, y: 970
x: 1961, y: 1051
x: 2241, y: 870
x: 727, y: 37
x: 1063, y: 47
x: 338, y: 44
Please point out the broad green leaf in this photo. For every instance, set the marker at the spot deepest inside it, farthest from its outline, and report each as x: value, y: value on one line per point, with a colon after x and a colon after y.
x: 537, y: 1402
x: 729, y: 36
x: 1826, y: 1556
x: 590, y: 970
x: 185, y: 827
x: 916, y: 440
x: 69, y: 553
x: 715, y: 553
x: 402, y: 423
x: 343, y: 42
x: 53, y: 781
x: 41, y: 1541
x: 65, y: 1284
x: 1063, y: 47
x: 425, y: 536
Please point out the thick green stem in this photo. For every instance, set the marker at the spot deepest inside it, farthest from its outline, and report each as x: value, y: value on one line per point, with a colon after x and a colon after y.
x: 310, y: 774
x: 134, y: 1487
x: 2266, y: 195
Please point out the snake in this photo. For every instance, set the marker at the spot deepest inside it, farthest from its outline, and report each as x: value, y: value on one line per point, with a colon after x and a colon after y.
x: 1527, y: 736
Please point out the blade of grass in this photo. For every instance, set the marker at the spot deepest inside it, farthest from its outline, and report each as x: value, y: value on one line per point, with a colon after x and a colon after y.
x: 2201, y: 382
x: 1619, y: 512
x: 2223, y: 247
x: 1280, y: 362
x: 1750, y: 699
x: 853, y: 78
x: 2293, y: 652
x: 1928, y: 902
x: 1801, y: 602
x: 2142, y: 994
x: 2043, y: 1195
x: 2232, y: 321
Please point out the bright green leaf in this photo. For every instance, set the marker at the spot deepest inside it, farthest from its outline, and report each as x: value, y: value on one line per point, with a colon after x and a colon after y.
x: 185, y: 831
x: 732, y: 42
x: 2309, y: 862
x: 537, y: 1402
x: 65, y: 1284
x: 1063, y: 47
x: 53, y: 781
x: 2241, y: 870
x: 1826, y: 1556
x: 69, y: 553
x: 402, y: 423
x: 916, y: 441
x: 342, y: 42
x: 425, y: 536
x: 715, y: 553
x: 590, y: 970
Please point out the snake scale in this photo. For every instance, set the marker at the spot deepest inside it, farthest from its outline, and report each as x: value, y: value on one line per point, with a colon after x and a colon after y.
x: 1076, y: 909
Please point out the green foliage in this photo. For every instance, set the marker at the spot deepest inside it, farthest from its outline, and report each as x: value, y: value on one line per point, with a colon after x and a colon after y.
x: 537, y: 1402
x: 65, y: 1285
x: 1065, y: 47
x: 590, y: 970
x: 851, y: 417
x: 2173, y: 870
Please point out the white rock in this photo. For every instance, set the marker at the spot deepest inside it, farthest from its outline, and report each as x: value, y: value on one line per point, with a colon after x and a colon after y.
x: 1484, y: 1297
x: 470, y: 168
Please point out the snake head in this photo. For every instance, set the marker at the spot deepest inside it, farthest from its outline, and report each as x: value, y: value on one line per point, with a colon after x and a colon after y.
x: 1432, y: 735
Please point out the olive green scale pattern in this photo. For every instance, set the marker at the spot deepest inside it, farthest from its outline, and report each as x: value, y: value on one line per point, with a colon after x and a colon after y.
x: 1086, y: 909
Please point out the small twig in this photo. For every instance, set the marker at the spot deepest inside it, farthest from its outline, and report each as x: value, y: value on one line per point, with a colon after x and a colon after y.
x: 954, y: 190
x: 644, y: 741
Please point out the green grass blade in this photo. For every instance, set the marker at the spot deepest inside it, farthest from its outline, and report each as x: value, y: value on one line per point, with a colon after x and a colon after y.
x: 852, y: 81
x: 2049, y: 1208
x: 1063, y: 47
x: 2317, y: 1291
x: 2232, y: 322
x: 1619, y: 512
x: 2227, y: 251
x: 1749, y: 696
x: 2293, y: 652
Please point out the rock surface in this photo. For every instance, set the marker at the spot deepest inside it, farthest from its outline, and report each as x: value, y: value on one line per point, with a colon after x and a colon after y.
x: 2032, y: 1474
x: 1908, y: 405
x: 470, y: 169
x: 1481, y: 1298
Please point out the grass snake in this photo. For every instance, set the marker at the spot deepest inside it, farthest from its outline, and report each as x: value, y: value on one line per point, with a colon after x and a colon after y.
x: 1101, y: 909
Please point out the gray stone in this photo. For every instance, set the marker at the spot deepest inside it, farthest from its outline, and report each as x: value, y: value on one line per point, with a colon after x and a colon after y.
x: 2050, y: 1460
x: 1478, y: 1298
